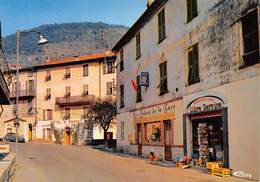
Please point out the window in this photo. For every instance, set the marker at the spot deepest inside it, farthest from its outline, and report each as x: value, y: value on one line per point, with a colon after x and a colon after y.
x: 67, y: 73
x: 161, y: 26
x: 48, y: 133
x: 109, y: 88
x: 49, y: 114
x: 48, y: 75
x: 153, y: 133
x: 85, y: 90
x: 48, y: 94
x: 85, y: 70
x: 163, y: 85
x: 250, y: 39
x: 84, y: 113
x: 122, y: 128
x: 109, y: 67
x: 193, y: 72
x: 139, y: 90
x: 122, y: 95
x: 30, y: 107
x: 138, y: 45
x: 30, y: 73
x: 121, y: 65
x: 192, y: 10
x: 30, y: 86
x: 67, y: 114
x: 67, y: 92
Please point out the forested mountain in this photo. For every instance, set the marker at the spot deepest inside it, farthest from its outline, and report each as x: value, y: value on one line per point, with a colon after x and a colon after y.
x: 66, y: 39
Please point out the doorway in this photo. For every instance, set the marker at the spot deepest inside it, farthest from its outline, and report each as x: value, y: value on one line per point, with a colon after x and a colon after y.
x: 139, y: 138
x: 67, y: 136
x: 30, y: 132
x: 167, y: 140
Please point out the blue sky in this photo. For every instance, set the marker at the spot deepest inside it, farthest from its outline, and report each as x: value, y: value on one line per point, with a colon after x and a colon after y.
x: 26, y: 14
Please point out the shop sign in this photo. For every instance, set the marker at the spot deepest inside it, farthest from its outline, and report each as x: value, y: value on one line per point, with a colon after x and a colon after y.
x: 207, y: 103
x: 160, y: 112
x: 144, y: 81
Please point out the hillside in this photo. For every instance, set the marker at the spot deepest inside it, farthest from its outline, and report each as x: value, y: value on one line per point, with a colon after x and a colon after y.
x: 66, y: 39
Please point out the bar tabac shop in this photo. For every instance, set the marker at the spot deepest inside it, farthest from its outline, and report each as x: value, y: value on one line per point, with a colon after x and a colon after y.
x: 205, y: 129
x: 157, y: 130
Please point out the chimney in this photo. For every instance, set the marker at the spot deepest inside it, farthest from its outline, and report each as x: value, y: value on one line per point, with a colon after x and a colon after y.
x: 149, y: 2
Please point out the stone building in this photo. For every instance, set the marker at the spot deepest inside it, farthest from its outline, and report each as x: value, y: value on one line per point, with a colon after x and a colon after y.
x: 188, y: 83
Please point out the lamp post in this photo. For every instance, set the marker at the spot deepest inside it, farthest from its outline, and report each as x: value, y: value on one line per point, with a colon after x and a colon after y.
x: 41, y: 41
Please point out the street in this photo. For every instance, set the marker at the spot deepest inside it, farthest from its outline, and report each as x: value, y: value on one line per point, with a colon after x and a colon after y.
x: 65, y: 163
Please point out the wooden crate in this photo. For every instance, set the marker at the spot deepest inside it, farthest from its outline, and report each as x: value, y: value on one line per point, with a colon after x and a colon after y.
x: 213, y: 165
x: 223, y: 172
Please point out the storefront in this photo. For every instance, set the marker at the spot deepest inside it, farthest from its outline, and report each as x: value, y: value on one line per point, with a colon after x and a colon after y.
x: 154, y: 130
x: 205, y: 129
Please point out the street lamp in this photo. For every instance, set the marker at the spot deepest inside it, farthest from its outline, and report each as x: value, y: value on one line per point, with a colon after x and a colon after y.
x: 41, y: 41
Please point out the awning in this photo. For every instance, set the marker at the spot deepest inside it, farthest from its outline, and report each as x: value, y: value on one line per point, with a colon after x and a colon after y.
x: 206, y: 115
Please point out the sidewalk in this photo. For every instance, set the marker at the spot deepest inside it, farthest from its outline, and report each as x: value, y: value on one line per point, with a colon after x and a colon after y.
x: 169, y: 164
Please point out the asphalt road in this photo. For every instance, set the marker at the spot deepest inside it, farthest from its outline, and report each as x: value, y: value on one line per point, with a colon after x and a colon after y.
x: 59, y: 163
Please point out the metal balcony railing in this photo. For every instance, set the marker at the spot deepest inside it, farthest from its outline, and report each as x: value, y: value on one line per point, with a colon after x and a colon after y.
x: 23, y: 93
x: 75, y: 100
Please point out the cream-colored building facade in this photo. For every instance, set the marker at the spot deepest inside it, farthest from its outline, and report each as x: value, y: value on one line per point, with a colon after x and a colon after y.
x: 26, y: 106
x: 199, y: 74
x: 67, y: 87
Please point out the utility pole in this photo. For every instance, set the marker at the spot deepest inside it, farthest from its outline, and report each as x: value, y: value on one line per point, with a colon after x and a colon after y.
x: 17, y: 89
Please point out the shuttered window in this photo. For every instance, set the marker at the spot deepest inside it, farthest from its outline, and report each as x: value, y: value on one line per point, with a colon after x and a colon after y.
x: 192, y: 9
x: 161, y: 26
x: 193, y: 58
x: 250, y: 39
x: 85, y: 70
x: 109, y: 88
x: 121, y: 65
x: 122, y: 95
x: 139, y: 90
x: 163, y: 85
x: 138, y: 45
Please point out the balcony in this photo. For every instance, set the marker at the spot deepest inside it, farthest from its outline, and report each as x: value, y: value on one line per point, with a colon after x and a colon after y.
x: 75, y: 100
x: 23, y: 94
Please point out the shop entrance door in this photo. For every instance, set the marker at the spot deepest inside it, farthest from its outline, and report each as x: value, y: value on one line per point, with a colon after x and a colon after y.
x: 67, y: 136
x: 167, y: 140
x: 139, y: 139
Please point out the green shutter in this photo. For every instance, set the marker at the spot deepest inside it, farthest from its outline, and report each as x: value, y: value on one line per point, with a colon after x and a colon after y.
x: 194, y: 8
x: 189, y: 15
x: 139, y: 89
x: 190, y: 73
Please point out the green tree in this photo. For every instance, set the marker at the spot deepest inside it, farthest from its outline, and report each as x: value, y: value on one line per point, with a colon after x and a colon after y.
x: 103, y: 112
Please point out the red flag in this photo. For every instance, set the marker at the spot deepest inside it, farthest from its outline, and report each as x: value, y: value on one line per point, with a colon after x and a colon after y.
x: 134, y: 85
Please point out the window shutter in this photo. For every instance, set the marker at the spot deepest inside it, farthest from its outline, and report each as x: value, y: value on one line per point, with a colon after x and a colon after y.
x: 195, y: 63
x: 194, y: 8
x: 190, y: 70
x: 43, y: 115
x: 104, y: 68
x: 189, y: 9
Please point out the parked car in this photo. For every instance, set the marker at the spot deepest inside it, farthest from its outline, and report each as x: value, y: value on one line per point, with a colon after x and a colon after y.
x: 11, y: 137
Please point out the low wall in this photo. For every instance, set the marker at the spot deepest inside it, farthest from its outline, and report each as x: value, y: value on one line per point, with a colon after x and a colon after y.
x: 7, y: 167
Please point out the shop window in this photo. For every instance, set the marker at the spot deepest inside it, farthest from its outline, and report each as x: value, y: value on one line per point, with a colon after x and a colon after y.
x: 193, y: 71
x: 163, y: 85
x: 153, y: 133
x: 67, y: 73
x: 48, y: 75
x: 122, y: 134
x: 139, y: 89
x: 122, y: 95
x: 192, y: 9
x: 161, y: 26
x: 85, y: 70
x: 121, y: 65
x: 109, y: 88
x: 250, y: 39
x: 138, y: 45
